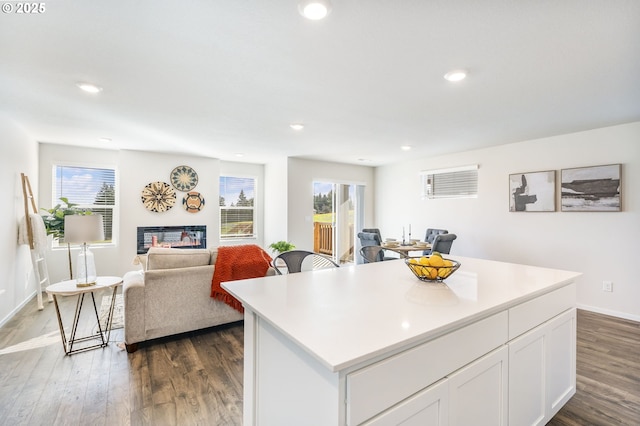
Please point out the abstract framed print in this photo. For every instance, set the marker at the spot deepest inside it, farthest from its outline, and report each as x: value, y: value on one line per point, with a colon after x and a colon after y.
x: 591, y: 189
x: 532, y: 192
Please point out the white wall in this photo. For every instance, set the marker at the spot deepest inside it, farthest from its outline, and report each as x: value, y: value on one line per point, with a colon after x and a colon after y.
x: 603, y: 246
x: 301, y: 175
x: 276, y: 200
x: 19, y: 154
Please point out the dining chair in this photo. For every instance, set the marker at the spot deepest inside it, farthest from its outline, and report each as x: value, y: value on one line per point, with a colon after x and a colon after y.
x: 372, y: 239
x: 430, y: 236
x: 442, y: 243
x: 369, y: 239
x: 372, y: 254
x: 374, y: 231
x: 301, y: 260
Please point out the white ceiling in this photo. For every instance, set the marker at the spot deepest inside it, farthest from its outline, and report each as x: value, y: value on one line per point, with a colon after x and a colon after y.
x: 221, y: 77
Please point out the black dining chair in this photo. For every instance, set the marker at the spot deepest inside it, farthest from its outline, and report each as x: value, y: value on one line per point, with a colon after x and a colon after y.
x: 299, y: 260
x: 442, y: 243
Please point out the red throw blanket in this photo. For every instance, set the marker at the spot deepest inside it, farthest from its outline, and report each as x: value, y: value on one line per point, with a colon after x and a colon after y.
x: 237, y: 263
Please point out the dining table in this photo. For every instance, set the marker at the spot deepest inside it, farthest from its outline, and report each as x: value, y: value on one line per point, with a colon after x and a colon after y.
x: 407, y: 248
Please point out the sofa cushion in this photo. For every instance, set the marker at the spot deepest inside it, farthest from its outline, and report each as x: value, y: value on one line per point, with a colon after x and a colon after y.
x: 171, y: 258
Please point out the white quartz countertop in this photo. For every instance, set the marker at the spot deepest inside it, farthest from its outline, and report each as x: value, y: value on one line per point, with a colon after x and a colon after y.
x: 348, y: 315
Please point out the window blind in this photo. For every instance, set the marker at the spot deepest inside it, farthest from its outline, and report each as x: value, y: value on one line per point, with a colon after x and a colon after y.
x: 458, y: 182
x: 90, y: 188
x: 237, y: 214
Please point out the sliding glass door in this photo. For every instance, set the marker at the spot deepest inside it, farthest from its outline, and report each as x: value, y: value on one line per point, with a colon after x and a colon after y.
x: 337, y: 209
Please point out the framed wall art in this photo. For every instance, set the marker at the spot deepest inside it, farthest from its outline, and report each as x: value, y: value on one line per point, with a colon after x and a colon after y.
x: 532, y: 192
x: 591, y: 189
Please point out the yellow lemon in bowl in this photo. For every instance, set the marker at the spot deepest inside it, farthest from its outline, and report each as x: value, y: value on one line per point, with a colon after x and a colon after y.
x: 431, y: 273
x: 436, y: 261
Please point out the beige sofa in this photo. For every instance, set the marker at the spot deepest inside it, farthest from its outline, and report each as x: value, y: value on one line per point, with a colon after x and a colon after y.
x: 172, y: 296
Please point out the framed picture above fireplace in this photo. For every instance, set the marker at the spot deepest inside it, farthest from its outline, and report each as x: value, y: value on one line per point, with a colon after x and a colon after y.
x: 187, y: 236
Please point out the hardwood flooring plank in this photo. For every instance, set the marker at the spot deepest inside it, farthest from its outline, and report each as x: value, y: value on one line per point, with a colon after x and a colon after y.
x: 51, y: 397
x: 23, y: 392
x: 119, y: 398
x: 140, y: 389
x: 142, y: 417
x: 94, y: 405
x: 75, y: 388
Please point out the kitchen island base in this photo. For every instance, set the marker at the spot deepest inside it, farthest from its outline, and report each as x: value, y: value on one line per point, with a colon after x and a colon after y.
x: 510, y: 363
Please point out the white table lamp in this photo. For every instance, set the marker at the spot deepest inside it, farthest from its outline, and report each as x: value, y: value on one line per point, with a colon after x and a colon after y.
x: 83, y: 229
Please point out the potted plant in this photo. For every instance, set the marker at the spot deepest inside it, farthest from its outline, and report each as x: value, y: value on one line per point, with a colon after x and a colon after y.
x: 54, y: 221
x: 281, y: 246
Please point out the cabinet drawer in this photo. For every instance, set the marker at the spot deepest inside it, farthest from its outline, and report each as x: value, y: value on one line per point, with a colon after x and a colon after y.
x: 377, y: 387
x: 528, y: 315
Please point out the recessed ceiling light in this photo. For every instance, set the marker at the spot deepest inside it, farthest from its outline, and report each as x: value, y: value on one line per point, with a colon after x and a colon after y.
x: 364, y: 160
x: 239, y: 154
x: 296, y: 126
x: 89, y: 88
x: 406, y: 147
x: 455, y: 75
x: 314, y: 9
x: 105, y: 140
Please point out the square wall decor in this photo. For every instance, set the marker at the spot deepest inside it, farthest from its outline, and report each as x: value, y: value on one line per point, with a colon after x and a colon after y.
x: 591, y: 189
x: 532, y: 192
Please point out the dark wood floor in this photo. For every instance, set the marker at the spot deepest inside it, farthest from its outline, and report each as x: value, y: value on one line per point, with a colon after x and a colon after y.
x: 608, y: 373
x: 196, y: 379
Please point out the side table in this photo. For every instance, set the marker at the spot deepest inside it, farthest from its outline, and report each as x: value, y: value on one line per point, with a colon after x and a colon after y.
x: 69, y: 288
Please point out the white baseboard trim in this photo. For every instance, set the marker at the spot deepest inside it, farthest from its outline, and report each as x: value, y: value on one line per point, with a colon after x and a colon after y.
x: 609, y: 312
x: 17, y: 308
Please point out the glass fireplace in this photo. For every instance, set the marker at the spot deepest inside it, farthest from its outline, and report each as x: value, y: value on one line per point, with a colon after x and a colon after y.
x: 188, y: 236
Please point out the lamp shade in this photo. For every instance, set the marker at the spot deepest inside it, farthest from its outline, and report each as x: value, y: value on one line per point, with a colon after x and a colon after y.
x: 80, y: 229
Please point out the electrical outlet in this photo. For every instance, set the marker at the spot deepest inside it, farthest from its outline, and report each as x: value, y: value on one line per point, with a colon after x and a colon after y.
x: 607, y: 286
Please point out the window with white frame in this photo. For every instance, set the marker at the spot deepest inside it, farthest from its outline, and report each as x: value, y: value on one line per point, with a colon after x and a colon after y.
x: 237, y: 207
x: 458, y: 182
x: 87, y: 188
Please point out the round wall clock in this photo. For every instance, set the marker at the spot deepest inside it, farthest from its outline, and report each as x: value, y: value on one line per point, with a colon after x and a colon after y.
x: 193, y: 202
x: 184, y: 178
x: 158, y: 197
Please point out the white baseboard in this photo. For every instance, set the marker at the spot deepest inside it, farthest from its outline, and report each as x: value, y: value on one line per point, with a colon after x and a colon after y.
x: 17, y: 308
x: 617, y: 314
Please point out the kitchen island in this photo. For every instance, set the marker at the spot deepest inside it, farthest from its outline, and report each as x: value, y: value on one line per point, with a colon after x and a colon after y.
x: 371, y: 344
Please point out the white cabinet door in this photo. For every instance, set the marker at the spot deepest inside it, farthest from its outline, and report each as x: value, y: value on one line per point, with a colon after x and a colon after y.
x: 561, y: 361
x: 527, y: 378
x: 478, y: 392
x: 426, y: 408
x: 542, y: 370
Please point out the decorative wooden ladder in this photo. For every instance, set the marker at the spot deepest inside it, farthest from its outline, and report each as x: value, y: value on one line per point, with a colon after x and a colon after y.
x: 39, y: 262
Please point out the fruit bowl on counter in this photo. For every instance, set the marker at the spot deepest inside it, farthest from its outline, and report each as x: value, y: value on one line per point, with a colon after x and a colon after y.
x: 432, y: 268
